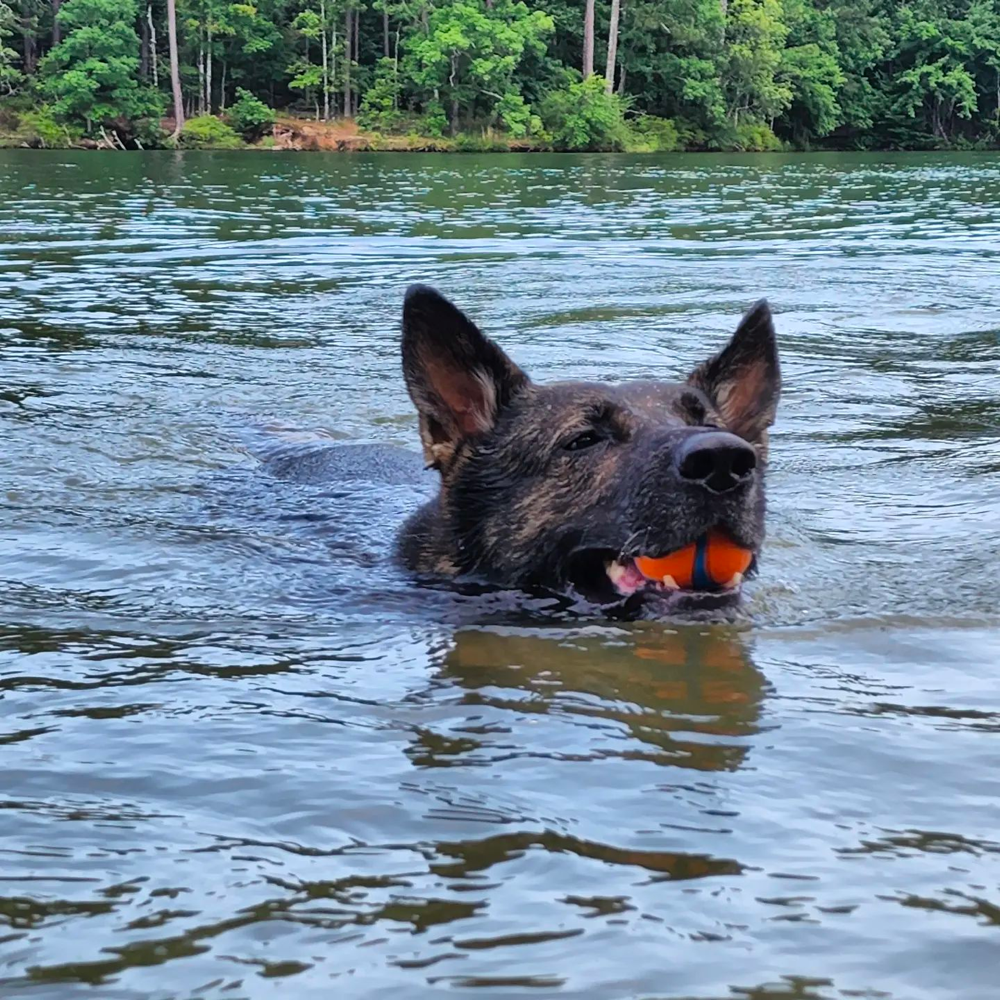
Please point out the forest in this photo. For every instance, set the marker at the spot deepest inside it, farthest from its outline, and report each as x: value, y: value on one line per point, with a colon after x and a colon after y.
x: 545, y: 74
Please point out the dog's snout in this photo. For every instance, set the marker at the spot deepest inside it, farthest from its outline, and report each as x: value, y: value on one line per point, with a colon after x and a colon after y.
x: 716, y: 460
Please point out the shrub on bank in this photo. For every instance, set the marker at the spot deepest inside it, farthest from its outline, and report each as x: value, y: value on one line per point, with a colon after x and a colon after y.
x: 208, y: 132
x: 40, y: 127
x: 582, y: 117
x: 755, y: 137
x: 379, y: 111
x: 486, y: 141
x: 655, y: 135
x: 250, y: 117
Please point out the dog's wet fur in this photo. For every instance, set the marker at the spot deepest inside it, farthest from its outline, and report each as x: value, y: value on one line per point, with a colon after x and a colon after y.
x: 549, y: 486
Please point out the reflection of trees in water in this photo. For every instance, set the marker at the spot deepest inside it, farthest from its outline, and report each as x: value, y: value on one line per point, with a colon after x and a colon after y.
x: 686, y: 693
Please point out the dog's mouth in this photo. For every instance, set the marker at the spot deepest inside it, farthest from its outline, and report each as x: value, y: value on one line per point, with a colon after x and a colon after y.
x: 602, y: 576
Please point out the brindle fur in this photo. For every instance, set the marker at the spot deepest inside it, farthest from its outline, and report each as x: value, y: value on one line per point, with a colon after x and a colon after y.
x: 516, y: 503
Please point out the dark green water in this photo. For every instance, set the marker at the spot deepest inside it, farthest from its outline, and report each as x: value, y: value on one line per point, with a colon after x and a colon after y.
x: 243, y: 758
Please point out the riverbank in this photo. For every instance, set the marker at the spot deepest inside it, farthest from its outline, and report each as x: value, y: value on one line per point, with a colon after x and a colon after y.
x: 291, y: 133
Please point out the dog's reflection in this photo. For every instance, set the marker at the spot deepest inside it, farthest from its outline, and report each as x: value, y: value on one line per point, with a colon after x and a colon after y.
x: 687, y: 697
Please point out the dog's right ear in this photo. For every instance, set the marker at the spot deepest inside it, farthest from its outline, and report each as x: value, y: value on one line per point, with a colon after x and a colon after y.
x: 458, y: 379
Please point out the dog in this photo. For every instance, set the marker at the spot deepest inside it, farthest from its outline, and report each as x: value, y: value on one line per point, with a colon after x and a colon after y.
x: 561, y: 487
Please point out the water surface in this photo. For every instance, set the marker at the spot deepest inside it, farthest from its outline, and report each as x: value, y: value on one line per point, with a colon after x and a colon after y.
x: 243, y: 757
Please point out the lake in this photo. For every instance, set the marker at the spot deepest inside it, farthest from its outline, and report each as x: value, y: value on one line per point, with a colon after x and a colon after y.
x: 244, y: 757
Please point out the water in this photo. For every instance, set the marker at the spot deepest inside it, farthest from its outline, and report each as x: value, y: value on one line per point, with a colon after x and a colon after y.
x: 243, y: 757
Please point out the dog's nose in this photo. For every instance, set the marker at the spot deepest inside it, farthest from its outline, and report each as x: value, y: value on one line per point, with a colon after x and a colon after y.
x: 716, y: 460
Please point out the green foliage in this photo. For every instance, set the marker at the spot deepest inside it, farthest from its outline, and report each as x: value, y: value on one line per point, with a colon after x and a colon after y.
x: 471, y: 52
x: 379, y: 110
x: 755, y: 137
x: 208, y: 132
x: 41, y: 126
x: 755, y: 37
x: 584, y: 117
x: 486, y: 142
x: 655, y: 135
x: 249, y: 116
x: 11, y: 77
x: 516, y: 116
x: 434, y: 121
x: 695, y: 74
x: 91, y: 75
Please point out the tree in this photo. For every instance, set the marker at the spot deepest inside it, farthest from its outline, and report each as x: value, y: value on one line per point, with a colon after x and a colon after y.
x: 10, y: 76
x: 471, y: 53
x: 92, y: 74
x: 175, y: 72
x: 588, y: 39
x: 934, y: 82
x: 609, y: 72
x: 755, y: 35
x: 310, y: 77
x: 675, y: 60
x: 811, y: 67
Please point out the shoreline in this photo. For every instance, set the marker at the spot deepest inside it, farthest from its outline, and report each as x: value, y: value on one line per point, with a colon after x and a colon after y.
x: 300, y: 135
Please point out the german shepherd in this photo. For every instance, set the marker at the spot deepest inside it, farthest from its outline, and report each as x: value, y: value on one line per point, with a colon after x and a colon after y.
x: 561, y: 487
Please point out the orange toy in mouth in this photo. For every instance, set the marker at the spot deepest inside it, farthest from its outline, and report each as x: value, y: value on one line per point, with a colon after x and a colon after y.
x: 714, y: 561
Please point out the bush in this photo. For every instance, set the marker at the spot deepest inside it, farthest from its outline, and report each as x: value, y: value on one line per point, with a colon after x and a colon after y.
x: 379, y: 111
x: 486, y: 142
x: 583, y: 117
x: 40, y: 126
x: 517, y: 117
x: 250, y: 117
x: 434, y: 120
x: 655, y: 135
x: 757, y: 138
x: 208, y: 132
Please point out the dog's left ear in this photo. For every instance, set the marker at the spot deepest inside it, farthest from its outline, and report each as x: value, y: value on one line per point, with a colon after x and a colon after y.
x: 458, y: 379
x: 744, y: 379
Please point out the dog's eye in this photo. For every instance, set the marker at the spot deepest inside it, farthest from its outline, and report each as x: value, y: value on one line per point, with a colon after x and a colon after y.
x: 585, y: 440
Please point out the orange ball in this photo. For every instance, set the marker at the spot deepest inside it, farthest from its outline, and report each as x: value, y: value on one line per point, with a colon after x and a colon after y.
x: 712, y: 561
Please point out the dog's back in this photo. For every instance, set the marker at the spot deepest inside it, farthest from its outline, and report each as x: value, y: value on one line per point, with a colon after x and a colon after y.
x: 330, y: 463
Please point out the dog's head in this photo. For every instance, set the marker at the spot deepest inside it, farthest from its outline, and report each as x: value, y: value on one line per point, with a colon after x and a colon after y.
x: 564, y: 485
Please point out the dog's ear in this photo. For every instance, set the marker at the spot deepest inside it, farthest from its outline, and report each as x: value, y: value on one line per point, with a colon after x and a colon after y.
x: 458, y: 380
x: 744, y: 379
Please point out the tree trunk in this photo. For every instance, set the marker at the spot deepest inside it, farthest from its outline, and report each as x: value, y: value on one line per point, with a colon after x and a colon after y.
x: 609, y: 72
x: 201, y: 72
x: 56, y: 26
x: 621, y: 82
x: 395, y: 78
x: 333, y: 53
x: 326, y: 61
x: 357, y: 36
x: 144, y: 59
x: 222, y: 87
x: 175, y: 71
x: 152, y: 47
x: 30, y: 61
x: 385, y: 34
x: 588, y: 40
x: 208, y: 73
x: 454, y: 95
x: 347, y: 63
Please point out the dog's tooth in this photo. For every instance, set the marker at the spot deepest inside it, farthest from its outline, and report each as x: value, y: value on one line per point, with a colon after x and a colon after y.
x: 670, y: 583
x: 735, y: 581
